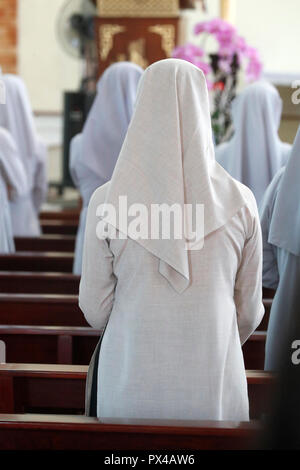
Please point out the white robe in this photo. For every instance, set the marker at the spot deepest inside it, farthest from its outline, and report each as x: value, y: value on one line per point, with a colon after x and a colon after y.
x: 255, y: 153
x: 176, y: 319
x: 13, y: 186
x: 280, y: 221
x: 86, y: 182
x: 166, y: 355
x: 94, y: 153
x: 17, y: 117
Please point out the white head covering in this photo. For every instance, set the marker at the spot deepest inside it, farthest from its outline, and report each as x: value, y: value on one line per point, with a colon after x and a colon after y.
x: 285, y: 222
x: 255, y: 152
x: 17, y: 117
x: 108, y: 120
x: 85, y: 180
x: 11, y: 166
x: 168, y: 157
x: 13, y: 185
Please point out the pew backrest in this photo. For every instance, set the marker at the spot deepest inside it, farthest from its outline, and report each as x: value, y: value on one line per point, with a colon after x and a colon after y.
x: 43, y: 432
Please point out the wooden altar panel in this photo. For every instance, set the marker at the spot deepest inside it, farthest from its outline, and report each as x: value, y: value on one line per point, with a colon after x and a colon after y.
x: 142, y: 40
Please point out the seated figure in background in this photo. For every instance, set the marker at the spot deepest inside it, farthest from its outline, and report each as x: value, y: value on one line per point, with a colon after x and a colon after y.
x: 94, y: 153
x: 255, y: 153
x: 13, y: 187
x: 17, y: 117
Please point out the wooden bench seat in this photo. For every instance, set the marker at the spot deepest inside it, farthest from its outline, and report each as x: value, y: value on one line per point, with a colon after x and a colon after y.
x: 71, y: 214
x: 29, y: 388
x: 49, y: 344
x: 41, y: 310
x: 51, y: 432
x: 75, y: 345
x: 18, y: 282
x: 265, y: 321
x: 59, y: 227
x: 37, y: 261
x: 34, y: 285
x: 58, y: 243
x: 254, y: 350
x: 268, y: 293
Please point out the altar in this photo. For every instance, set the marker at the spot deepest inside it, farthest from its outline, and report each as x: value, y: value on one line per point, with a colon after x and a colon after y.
x: 140, y: 31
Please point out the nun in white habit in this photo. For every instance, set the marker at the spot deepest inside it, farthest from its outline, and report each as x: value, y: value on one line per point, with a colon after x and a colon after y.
x: 13, y: 186
x: 255, y: 153
x: 94, y: 153
x: 176, y: 319
x: 16, y: 116
x: 280, y: 221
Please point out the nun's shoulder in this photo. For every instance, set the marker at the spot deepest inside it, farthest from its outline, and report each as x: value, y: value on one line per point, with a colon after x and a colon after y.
x: 99, y: 195
x: 249, y: 198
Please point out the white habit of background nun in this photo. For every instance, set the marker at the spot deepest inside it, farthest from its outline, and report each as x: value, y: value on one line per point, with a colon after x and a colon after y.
x: 94, y: 152
x: 255, y: 153
x: 280, y: 221
x: 16, y: 116
x: 13, y: 186
x: 176, y: 318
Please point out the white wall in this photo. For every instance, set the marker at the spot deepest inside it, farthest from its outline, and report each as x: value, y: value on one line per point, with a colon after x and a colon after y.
x: 273, y: 27
x: 270, y: 25
x: 45, y: 67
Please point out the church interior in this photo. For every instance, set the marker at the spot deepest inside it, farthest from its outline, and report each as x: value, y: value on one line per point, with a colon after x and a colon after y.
x: 168, y: 102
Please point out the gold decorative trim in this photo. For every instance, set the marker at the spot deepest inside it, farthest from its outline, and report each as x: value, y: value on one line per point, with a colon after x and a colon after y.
x: 167, y: 32
x: 106, y: 34
x: 138, y: 8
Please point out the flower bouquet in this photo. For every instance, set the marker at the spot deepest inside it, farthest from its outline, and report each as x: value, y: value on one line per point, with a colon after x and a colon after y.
x: 221, y: 67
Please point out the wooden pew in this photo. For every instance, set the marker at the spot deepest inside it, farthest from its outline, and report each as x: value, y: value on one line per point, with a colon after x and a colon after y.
x: 49, y: 344
x: 66, y: 345
x: 37, y: 261
x: 59, y: 227
x: 48, y: 432
x: 41, y: 310
x: 15, y: 283
x: 71, y: 214
x: 265, y: 321
x: 36, y: 283
x: 268, y: 293
x: 48, y: 388
x: 254, y: 351
x: 64, y: 243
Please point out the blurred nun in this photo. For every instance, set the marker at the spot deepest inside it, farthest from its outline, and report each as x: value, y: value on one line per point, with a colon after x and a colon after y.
x: 255, y: 153
x: 16, y: 116
x: 176, y: 315
x: 280, y: 221
x: 94, y: 153
x: 13, y: 186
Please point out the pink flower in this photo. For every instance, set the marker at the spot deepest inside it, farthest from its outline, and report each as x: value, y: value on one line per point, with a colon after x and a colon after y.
x: 193, y: 54
x: 225, y: 66
x: 230, y: 45
x: 201, y: 28
x: 254, y: 70
x: 210, y: 84
x: 188, y: 50
x: 214, y: 26
x: 206, y: 68
x: 241, y: 44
